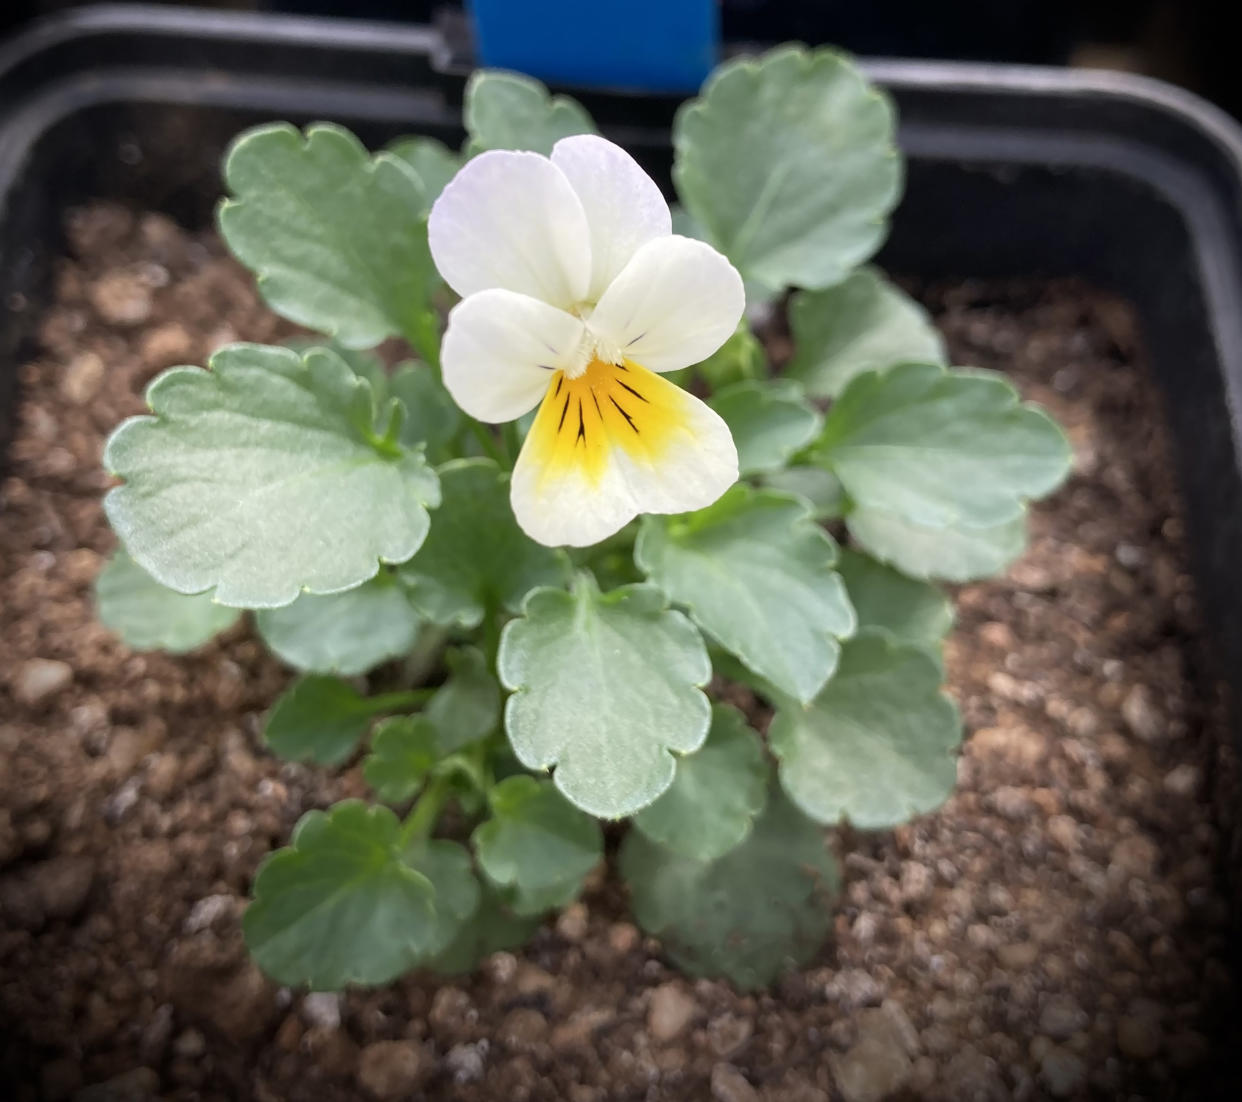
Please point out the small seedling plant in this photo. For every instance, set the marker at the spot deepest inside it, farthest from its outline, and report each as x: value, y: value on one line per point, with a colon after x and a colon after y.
x: 521, y: 570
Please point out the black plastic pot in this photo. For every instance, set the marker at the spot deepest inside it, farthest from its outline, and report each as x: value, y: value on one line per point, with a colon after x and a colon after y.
x: 1130, y: 183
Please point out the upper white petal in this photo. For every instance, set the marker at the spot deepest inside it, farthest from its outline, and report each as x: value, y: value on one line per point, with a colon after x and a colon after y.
x: 673, y: 304
x: 570, y: 509
x: 624, y: 207
x: 512, y: 220
x: 500, y: 351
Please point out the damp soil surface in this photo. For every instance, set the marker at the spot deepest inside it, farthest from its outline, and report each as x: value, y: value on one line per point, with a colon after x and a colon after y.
x: 1059, y: 929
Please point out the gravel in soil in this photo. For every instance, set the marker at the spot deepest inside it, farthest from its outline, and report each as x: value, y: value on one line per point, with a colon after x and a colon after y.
x: 1058, y: 930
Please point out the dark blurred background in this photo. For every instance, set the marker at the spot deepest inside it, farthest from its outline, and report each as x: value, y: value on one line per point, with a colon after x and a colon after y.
x: 1183, y: 41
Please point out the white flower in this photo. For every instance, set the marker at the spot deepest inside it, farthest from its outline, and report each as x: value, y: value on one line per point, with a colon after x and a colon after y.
x: 575, y: 294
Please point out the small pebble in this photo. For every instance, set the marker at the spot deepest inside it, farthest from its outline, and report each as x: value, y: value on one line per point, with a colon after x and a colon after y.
x: 39, y: 679
x: 670, y: 1012
x: 1062, y: 1072
x: 730, y: 1085
x: 390, y: 1069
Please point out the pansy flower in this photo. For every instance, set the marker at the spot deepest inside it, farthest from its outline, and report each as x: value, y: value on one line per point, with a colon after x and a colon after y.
x: 576, y: 296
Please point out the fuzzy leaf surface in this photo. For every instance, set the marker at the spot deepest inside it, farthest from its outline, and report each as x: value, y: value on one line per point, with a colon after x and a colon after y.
x: 790, y: 163
x: 264, y: 477
x: 334, y: 235
x: 343, y: 633
x: 150, y: 616
x: 433, y: 161
x: 762, y: 908
x: 716, y: 795
x: 958, y: 554
x: 606, y: 686
x: 403, y: 750
x: 319, y: 719
x: 447, y: 866
x: 770, y: 421
x: 878, y: 745
x: 755, y: 572
x: 467, y: 706
x: 537, y: 847
x: 511, y: 111
x: 476, y: 556
x: 862, y: 324
x: 432, y: 418
x: 339, y: 906
x: 885, y: 598
x: 941, y: 448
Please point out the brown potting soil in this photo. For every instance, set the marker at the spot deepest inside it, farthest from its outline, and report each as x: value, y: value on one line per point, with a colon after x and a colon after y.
x: 1059, y: 929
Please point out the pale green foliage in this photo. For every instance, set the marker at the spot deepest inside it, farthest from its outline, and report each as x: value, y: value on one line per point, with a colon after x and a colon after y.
x: 877, y: 746
x: 862, y: 324
x: 718, y: 791
x: 348, y: 503
x: 345, y: 633
x: 789, y: 163
x: 756, y: 573
x: 511, y: 111
x: 328, y: 230
x: 243, y: 468
x: 605, y: 687
x: 149, y: 616
x: 763, y: 907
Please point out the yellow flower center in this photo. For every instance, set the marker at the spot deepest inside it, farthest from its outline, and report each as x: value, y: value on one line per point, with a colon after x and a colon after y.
x: 608, y: 406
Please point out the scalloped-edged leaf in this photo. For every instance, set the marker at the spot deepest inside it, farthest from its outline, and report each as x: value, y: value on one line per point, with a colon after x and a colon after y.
x: 434, y: 162
x: 955, y: 554
x: 755, y: 572
x: 333, y: 234
x: 885, y: 598
x: 878, y: 745
x: 606, y: 687
x: 511, y: 111
x: 432, y: 418
x: 493, y: 927
x: 820, y: 489
x: 941, y: 449
x: 718, y: 791
x: 467, y: 706
x: 862, y: 324
x: 264, y: 477
x: 790, y: 162
x: 476, y: 557
x: 150, y: 616
x: 762, y: 908
x: 403, y: 750
x: 320, y: 719
x: 537, y: 847
x: 770, y: 421
x: 448, y: 867
x: 339, y: 906
x: 344, y: 633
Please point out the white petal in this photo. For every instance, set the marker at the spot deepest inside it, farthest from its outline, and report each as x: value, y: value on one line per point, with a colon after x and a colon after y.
x: 617, y: 442
x: 511, y: 220
x: 624, y: 207
x: 673, y: 305
x: 502, y: 349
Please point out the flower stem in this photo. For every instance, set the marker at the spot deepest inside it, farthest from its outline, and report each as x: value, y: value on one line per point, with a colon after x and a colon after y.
x: 488, y: 441
x: 399, y: 701
x: 422, y: 819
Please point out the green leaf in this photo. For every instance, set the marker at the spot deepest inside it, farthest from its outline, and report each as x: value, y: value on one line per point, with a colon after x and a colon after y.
x: 878, y: 745
x: 149, y: 616
x: 770, y: 421
x: 718, y: 791
x: 606, y: 686
x: 403, y: 750
x: 493, y: 927
x: 762, y: 908
x: 345, y: 633
x: 432, y: 417
x: 264, y: 477
x: 863, y: 324
x: 740, y: 357
x: 755, y: 572
x: 476, y: 557
x: 339, y: 906
x: 790, y: 162
x: 911, y: 610
x: 537, y: 846
x: 467, y: 707
x: 511, y: 111
x: 820, y: 489
x: 941, y: 449
x: 320, y: 719
x: 433, y: 161
x: 333, y: 233
x: 954, y: 554
x: 450, y: 871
